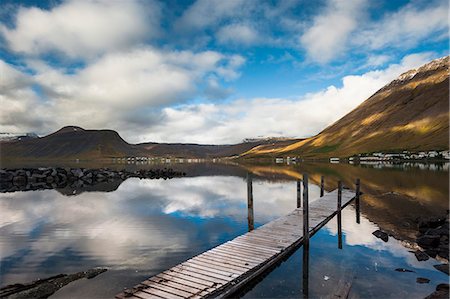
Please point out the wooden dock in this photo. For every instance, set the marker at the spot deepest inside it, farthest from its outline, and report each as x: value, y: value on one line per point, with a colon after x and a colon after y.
x: 223, y: 270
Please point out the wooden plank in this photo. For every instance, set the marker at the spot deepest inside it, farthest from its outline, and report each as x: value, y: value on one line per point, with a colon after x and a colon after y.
x: 237, y: 257
x: 273, y: 234
x: 225, y: 268
x: 245, y: 256
x: 212, y: 263
x: 174, y: 283
x: 157, y: 292
x: 167, y: 287
x: 142, y: 295
x: 239, y: 254
x: 182, y: 281
x: 267, y: 238
x: 227, y: 261
x: 231, y: 259
x: 200, y: 276
x: 189, y: 278
x: 206, y: 272
x: 264, y: 242
x: 212, y: 269
x: 248, y: 243
x: 252, y: 252
x: 255, y: 249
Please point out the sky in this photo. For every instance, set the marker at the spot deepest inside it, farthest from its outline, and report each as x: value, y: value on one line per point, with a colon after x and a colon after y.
x: 206, y: 71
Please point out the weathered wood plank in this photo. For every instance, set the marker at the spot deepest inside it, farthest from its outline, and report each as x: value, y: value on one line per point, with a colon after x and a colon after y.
x: 182, y: 281
x: 218, y: 265
x: 244, y: 259
x: 175, y: 284
x: 229, y: 258
x: 228, y: 262
x: 167, y: 287
x: 157, y: 292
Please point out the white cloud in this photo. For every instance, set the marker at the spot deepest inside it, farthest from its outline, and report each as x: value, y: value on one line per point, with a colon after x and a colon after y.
x: 345, y: 26
x: 233, y: 121
x: 377, y: 60
x: 327, y: 37
x: 238, y: 34
x: 21, y: 110
x: 406, y: 27
x: 82, y: 28
x: 205, y: 13
x: 118, y: 91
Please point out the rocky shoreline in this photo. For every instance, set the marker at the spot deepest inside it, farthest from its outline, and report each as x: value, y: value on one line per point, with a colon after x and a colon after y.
x: 24, y: 179
x: 433, y: 236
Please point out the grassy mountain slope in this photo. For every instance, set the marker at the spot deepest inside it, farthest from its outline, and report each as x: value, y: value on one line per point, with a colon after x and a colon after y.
x: 411, y: 112
x: 207, y: 151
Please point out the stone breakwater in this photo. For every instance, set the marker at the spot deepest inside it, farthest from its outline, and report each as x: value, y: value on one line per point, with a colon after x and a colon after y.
x: 23, y: 179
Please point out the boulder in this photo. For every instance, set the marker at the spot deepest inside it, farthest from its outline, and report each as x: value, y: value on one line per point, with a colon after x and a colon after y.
x: 421, y: 256
x: 381, y: 235
x: 422, y: 280
x: 428, y: 241
x: 442, y: 267
x: 404, y: 270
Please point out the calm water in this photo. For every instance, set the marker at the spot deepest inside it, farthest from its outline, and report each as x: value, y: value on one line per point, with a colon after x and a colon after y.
x: 141, y: 227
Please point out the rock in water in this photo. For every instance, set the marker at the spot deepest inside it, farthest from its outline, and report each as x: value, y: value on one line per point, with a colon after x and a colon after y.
x: 44, y: 288
x: 381, y: 235
x: 404, y: 270
x: 422, y: 280
x: 421, y: 256
x: 442, y: 268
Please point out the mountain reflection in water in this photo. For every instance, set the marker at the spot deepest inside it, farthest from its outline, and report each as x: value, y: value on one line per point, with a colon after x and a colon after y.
x: 143, y: 227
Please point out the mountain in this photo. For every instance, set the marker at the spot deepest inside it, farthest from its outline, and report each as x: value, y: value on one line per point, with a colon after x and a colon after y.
x: 69, y: 143
x: 73, y: 142
x: 19, y: 136
x: 208, y: 151
x: 410, y: 113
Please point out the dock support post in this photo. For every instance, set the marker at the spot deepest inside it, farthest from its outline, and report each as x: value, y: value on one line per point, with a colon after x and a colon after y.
x: 251, y: 221
x: 299, y: 195
x: 305, y: 288
x: 305, y: 209
x: 322, y: 179
x: 357, y: 203
x: 305, y: 236
x: 339, y: 215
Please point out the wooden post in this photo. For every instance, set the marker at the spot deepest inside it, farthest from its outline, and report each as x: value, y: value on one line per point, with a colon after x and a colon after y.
x: 305, y: 209
x: 299, y: 196
x: 321, y: 185
x: 339, y: 215
x: 251, y: 223
x: 305, y: 237
x: 357, y: 203
x: 305, y: 289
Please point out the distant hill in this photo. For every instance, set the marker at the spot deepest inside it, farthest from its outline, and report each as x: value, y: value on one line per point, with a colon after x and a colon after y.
x: 208, y: 151
x: 73, y: 142
x: 69, y: 143
x: 410, y: 113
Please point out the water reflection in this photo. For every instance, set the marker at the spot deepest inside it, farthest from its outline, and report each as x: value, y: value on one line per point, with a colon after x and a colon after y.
x: 143, y: 227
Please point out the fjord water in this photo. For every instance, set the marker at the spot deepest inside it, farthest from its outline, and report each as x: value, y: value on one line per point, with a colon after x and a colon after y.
x: 139, y: 228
